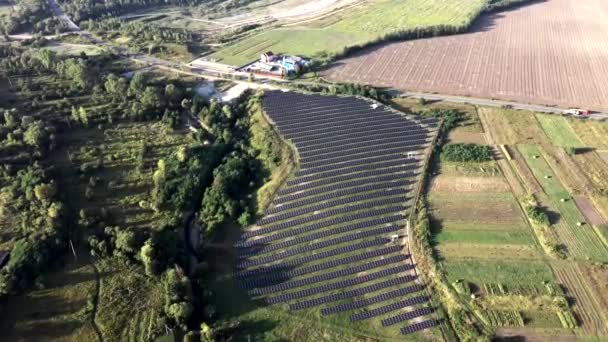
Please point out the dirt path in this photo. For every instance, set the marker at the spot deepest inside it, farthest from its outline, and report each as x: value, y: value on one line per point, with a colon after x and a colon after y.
x: 96, y: 303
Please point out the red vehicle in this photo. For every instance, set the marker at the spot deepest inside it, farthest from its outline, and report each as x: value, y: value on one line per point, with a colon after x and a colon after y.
x: 578, y: 112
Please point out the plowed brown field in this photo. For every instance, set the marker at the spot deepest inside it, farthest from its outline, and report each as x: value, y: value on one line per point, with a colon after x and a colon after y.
x: 548, y: 52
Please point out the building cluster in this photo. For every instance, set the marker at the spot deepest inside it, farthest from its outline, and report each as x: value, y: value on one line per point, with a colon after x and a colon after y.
x: 277, y: 65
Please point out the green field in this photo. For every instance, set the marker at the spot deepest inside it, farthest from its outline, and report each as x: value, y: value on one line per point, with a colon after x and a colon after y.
x: 559, y: 131
x: 504, y: 272
x: 353, y: 27
x: 481, y: 236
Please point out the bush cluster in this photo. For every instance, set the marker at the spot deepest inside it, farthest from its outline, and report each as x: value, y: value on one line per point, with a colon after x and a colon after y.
x: 466, y: 153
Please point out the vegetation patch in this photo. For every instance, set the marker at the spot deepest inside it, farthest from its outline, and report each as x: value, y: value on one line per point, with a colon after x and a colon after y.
x: 559, y: 131
x: 466, y: 153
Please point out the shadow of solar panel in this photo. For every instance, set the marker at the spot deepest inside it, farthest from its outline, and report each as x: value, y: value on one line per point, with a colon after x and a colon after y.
x: 388, y: 308
x: 337, y: 285
x: 406, y: 316
x: 372, y: 300
x: 419, y: 326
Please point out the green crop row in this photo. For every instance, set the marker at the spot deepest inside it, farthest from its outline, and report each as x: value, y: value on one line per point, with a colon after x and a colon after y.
x: 567, y: 319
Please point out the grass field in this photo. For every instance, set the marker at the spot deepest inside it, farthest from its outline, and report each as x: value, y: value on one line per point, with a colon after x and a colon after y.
x: 57, y: 312
x: 592, y: 133
x: 559, y: 131
x: 357, y: 26
x: 121, y: 186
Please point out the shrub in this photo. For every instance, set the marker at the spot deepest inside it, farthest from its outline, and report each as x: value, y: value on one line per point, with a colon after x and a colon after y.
x: 537, y: 215
x: 466, y: 153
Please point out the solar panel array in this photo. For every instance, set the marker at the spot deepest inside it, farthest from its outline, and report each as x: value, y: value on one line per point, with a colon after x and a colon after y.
x: 329, y: 237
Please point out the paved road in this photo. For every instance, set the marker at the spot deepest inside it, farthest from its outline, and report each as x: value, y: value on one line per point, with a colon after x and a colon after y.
x: 491, y: 103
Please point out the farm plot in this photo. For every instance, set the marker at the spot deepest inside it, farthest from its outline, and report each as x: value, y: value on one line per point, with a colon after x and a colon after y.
x: 582, y: 241
x: 331, y: 245
x: 592, y: 133
x: 585, y: 305
x: 547, y: 52
x: 559, y: 131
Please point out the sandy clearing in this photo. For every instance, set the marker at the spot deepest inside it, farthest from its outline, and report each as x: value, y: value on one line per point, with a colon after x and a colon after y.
x: 457, y: 136
x: 551, y: 52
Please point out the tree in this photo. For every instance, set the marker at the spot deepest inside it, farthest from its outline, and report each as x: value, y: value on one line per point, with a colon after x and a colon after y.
x: 35, y: 135
x: 125, y: 242
x: 148, y: 256
x: 45, y: 192
x: 207, y: 334
x: 115, y: 85
x: 138, y: 84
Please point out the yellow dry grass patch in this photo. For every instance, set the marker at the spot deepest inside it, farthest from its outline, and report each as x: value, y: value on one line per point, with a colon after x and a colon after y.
x: 456, y: 184
x: 592, y: 133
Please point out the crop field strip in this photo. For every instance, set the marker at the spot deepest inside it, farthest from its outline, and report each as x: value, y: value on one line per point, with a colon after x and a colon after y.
x: 326, y: 236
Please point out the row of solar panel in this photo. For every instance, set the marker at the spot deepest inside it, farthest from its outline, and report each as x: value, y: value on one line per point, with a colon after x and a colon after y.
x: 327, y: 276
x: 292, y: 268
x: 333, y: 116
x: 345, y: 171
x: 321, y: 181
x: 341, y: 126
x: 341, y: 284
x: 317, y: 171
x: 352, y: 132
x: 419, y: 326
x: 314, y: 256
x: 354, y: 152
x: 307, y: 102
x: 388, y: 308
x: 348, y: 129
x: 306, y: 143
x: 372, y: 300
x: 283, y: 110
x: 330, y: 222
x: 348, y: 145
x: 244, y: 243
x: 384, y: 201
x: 284, y: 273
x: 377, y: 183
x: 321, y: 244
x: 406, y: 316
x: 324, y: 243
x: 403, y: 150
x: 356, y: 292
x: 286, y: 213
